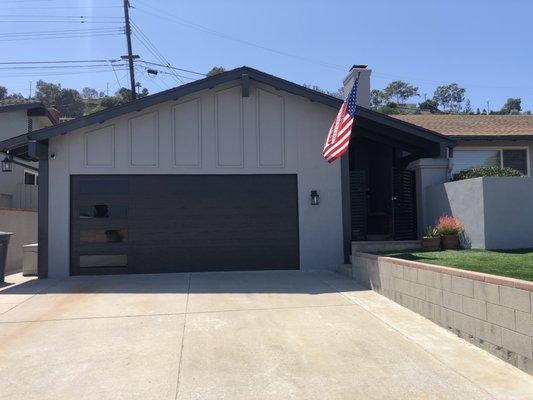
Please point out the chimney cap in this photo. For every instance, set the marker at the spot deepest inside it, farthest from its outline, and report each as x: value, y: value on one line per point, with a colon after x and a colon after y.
x: 359, y: 66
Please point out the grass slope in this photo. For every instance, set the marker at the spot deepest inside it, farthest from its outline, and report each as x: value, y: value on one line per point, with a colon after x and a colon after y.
x: 511, y: 263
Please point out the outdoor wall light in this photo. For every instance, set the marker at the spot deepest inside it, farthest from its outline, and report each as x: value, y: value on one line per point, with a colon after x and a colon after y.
x: 7, y: 163
x: 315, y: 198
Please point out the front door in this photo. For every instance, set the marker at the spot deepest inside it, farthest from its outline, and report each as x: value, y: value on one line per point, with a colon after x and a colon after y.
x: 404, y: 204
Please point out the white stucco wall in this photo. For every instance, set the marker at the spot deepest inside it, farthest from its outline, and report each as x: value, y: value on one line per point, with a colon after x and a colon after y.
x: 215, y: 131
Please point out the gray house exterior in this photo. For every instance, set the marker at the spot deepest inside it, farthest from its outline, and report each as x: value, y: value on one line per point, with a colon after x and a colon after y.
x: 218, y: 175
x: 18, y: 189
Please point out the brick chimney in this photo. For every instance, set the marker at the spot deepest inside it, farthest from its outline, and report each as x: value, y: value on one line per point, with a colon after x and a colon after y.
x: 363, y: 88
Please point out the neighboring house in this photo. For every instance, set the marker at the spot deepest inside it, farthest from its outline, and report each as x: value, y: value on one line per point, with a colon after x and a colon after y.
x: 18, y: 188
x: 484, y: 140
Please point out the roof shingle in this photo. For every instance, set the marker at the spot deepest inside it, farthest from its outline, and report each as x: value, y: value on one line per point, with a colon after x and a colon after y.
x: 473, y: 125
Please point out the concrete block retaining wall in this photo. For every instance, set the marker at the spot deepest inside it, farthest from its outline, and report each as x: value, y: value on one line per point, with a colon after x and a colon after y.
x: 492, y: 312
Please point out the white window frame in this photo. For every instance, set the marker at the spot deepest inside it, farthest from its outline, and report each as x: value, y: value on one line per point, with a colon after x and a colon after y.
x: 27, y: 171
x: 500, y: 148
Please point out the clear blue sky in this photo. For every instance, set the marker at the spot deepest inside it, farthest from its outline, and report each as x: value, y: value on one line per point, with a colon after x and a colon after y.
x: 485, y: 46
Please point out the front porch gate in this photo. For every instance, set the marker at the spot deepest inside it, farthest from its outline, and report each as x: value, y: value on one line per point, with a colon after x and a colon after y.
x: 403, y: 219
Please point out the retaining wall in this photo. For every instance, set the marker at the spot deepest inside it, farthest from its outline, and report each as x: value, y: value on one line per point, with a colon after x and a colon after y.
x: 493, y: 312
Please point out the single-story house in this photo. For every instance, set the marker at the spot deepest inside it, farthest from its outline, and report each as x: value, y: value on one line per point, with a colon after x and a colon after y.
x: 226, y: 173
x: 18, y: 188
x: 483, y: 140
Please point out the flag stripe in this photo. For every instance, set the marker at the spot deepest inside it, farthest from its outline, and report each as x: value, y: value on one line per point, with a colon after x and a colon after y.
x: 338, y: 138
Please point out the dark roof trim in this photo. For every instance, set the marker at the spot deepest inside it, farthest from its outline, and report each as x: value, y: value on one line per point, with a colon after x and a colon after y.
x: 490, y: 138
x: 407, y: 127
x: 184, y: 90
x: 14, y: 142
x: 34, y: 109
x: 21, y: 106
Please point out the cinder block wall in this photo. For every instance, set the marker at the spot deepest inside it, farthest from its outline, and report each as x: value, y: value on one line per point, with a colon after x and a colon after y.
x: 492, y: 312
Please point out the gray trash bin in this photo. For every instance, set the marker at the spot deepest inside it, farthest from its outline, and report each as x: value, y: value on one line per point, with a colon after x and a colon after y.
x: 4, y: 243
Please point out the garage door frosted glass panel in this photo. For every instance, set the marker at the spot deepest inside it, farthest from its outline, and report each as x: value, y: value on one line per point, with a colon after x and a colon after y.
x: 103, y: 261
x: 144, y: 139
x: 229, y: 134
x: 187, y: 134
x: 271, y: 139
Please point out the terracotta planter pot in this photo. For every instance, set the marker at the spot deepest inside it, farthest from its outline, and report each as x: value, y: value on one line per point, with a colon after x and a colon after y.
x: 450, y: 242
x: 431, y: 243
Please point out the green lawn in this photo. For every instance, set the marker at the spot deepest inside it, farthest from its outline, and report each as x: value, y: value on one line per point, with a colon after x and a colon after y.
x: 512, y: 263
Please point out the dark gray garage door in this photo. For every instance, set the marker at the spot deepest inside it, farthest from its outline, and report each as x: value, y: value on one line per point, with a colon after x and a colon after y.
x: 179, y: 223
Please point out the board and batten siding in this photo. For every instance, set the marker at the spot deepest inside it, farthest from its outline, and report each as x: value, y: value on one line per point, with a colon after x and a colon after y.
x: 215, y: 131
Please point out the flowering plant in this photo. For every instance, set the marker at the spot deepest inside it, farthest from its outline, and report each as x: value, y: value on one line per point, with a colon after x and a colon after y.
x: 447, y: 225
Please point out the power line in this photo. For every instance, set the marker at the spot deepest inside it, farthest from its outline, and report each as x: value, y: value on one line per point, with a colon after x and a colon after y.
x: 175, y: 68
x: 59, y: 37
x: 153, y: 49
x: 173, y: 18
x: 57, y: 61
x: 62, y: 31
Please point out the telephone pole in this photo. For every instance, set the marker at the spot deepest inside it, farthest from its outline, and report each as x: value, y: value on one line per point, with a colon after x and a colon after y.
x: 130, y: 55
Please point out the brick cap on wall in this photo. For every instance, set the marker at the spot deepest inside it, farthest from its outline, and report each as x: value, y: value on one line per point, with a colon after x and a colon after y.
x: 477, y: 276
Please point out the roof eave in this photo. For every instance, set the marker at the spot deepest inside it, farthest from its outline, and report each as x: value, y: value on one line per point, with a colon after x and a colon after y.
x: 181, y: 91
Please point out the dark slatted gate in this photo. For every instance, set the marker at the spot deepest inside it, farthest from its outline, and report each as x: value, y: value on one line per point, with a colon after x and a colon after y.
x: 358, y: 190
x: 404, y: 204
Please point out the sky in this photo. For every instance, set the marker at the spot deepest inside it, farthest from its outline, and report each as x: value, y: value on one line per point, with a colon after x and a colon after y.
x: 485, y: 46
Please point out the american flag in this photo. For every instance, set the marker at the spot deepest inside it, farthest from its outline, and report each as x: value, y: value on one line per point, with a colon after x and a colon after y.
x: 338, y: 138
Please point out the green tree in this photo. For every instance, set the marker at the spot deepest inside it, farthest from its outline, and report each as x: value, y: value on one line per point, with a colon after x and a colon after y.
x: 512, y: 106
x: 3, y: 92
x: 47, y: 93
x: 377, y: 99
x: 468, y: 107
x: 215, y: 71
x: 429, y: 105
x: 399, y: 92
x: 89, y: 93
x: 450, y: 97
x: 70, y: 103
x: 338, y: 94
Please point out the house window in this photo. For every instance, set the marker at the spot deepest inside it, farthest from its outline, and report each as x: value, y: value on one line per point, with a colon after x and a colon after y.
x: 31, y: 178
x: 515, y: 158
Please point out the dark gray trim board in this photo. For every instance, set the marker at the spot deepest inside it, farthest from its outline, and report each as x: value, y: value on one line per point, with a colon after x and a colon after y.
x: 42, y: 217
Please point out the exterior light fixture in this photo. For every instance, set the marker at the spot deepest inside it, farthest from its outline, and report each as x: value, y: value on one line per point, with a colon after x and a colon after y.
x: 7, y: 163
x: 315, y: 198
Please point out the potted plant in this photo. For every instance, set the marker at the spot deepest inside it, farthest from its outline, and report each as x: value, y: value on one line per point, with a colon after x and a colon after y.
x: 431, y: 239
x: 449, y: 228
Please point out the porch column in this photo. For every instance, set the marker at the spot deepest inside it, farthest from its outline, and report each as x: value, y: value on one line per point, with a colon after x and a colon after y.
x: 428, y: 172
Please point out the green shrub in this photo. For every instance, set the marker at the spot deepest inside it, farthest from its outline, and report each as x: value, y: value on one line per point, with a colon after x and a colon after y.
x: 485, y: 171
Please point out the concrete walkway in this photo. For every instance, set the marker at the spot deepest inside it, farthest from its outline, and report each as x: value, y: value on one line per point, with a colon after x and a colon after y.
x: 263, y: 335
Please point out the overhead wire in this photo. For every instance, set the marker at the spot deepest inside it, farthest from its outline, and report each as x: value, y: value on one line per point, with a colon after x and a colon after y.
x: 137, y: 31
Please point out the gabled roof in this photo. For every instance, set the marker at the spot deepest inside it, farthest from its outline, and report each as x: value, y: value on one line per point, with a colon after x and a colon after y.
x: 472, y: 127
x: 244, y: 74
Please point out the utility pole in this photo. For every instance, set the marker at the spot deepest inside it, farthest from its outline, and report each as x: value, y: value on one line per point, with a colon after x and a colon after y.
x: 130, y: 54
x: 30, y: 89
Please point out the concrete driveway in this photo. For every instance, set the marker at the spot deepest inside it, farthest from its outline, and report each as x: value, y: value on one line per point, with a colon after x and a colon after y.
x: 253, y: 335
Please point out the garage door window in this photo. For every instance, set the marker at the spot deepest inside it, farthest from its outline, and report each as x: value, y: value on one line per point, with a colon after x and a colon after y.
x: 103, y: 236
x: 103, y: 261
x: 103, y: 211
